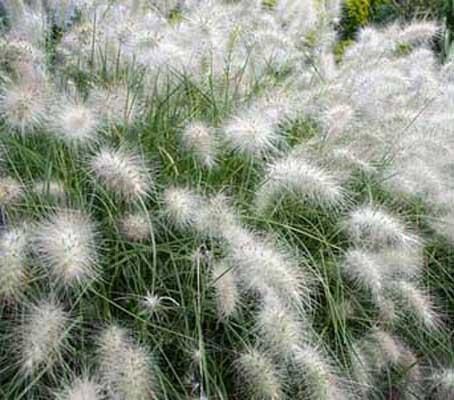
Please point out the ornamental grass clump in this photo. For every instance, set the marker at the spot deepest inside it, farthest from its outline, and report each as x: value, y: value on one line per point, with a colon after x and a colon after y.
x: 198, y: 200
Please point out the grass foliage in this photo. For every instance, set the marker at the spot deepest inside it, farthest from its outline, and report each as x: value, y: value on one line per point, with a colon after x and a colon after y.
x: 198, y: 202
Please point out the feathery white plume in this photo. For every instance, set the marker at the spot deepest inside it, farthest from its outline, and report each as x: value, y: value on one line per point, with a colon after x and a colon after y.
x: 261, y: 267
x: 182, y: 206
x: 280, y: 329
x: 300, y: 178
x: 374, y: 227
x: 136, y: 227
x: 11, y: 191
x: 81, y: 389
x: 258, y: 373
x: 200, y: 140
x: 320, y: 380
x: 123, y: 172
x: 418, y: 32
x: 443, y: 383
x: 42, y: 336
x: 251, y: 134
x: 414, y: 300
x: 67, y: 244
x: 13, y: 260
x: 336, y: 119
x: 23, y: 106
x: 363, y: 267
x: 126, y: 367
x: 226, y: 289
x: 73, y: 122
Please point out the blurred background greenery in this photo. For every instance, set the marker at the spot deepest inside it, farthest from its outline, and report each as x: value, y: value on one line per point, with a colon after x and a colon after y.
x: 359, y: 13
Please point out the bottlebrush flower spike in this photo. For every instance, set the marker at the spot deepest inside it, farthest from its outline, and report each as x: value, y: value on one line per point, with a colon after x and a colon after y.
x: 123, y: 172
x: 226, y: 289
x: 417, y: 302
x: 24, y: 105
x: 320, y: 380
x: 443, y: 383
x: 251, y: 134
x: 261, y: 267
x: 136, y: 227
x: 13, y: 262
x: 73, y: 122
x: 375, y: 227
x: 200, y: 140
x: 280, y: 329
x: 303, y: 180
x: 126, y: 367
x: 67, y: 245
x: 363, y: 267
x: 418, y: 32
x: 11, y: 191
x: 258, y: 374
x: 42, y: 336
x: 182, y: 206
x: 82, y: 388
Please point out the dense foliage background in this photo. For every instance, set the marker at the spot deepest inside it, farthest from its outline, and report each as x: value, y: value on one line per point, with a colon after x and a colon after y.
x: 226, y: 200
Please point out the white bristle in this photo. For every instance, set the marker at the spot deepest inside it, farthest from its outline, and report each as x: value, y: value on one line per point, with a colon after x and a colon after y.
x: 67, y: 245
x: 123, y: 172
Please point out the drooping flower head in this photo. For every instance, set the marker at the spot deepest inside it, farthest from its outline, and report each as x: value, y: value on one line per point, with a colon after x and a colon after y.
x: 42, y: 336
x: 226, y: 289
x: 200, y: 140
x: 257, y: 371
x: 123, y: 172
x: 127, y: 370
x: 13, y: 261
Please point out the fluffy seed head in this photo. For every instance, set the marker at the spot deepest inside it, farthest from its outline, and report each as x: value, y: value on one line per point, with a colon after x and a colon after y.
x: 13, y: 259
x: 374, y: 227
x: 258, y: 373
x: 443, y: 383
x: 126, y: 367
x: 42, y: 336
x: 418, y: 303
x: 382, y: 348
x: 182, y: 206
x: 23, y: 106
x: 136, y: 227
x: 199, y: 139
x: 251, y: 135
x: 320, y: 382
x: 226, y: 289
x: 303, y: 180
x: 216, y: 217
x: 81, y: 389
x: 122, y: 172
x: 11, y: 191
x: 261, y: 267
x: 66, y: 244
x: 336, y: 119
x: 279, y: 328
x: 73, y: 122
x: 418, y: 32
x: 362, y: 266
